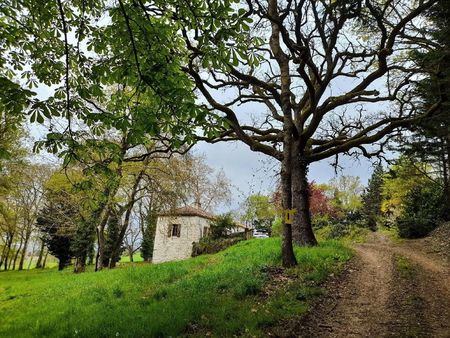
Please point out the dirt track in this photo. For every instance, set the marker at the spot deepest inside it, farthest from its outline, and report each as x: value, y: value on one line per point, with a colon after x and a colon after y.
x: 388, y: 290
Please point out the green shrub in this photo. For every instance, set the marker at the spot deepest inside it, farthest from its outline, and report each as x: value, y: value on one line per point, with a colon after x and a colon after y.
x: 339, y: 230
x: 422, y: 212
x: 222, y: 225
x: 342, y: 231
x: 219, y: 237
x: 148, y: 238
x: 209, y: 245
x: 320, y: 221
x: 277, y: 227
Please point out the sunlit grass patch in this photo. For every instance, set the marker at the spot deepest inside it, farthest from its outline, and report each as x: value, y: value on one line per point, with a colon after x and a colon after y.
x: 137, y: 258
x: 221, y: 294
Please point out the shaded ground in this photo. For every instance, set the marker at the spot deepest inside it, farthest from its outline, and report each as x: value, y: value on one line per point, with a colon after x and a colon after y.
x: 439, y: 242
x: 388, y: 290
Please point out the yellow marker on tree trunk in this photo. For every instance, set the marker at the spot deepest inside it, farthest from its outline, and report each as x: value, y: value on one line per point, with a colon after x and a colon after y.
x: 289, y: 215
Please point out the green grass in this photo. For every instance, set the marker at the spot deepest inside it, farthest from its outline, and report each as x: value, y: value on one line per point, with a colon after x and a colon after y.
x: 391, y: 232
x: 354, y: 234
x: 224, y: 294
x: 405, y: 267
x: 136, y: 258
x: 52, y: 262
x: 357, y: 235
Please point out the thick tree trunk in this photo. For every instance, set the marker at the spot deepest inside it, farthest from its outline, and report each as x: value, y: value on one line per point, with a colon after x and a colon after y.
x: 80, y: 265
x: 116, y: 248
x: 41, y: 256
x: 61, y: 264
x: 302, y: 232
x: 105, y: 212
x: 288, y: 129
x: 287, y: 250
x: 115, y: 254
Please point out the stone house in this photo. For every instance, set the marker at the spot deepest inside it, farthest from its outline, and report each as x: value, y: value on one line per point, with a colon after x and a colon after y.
x: 177, y: 231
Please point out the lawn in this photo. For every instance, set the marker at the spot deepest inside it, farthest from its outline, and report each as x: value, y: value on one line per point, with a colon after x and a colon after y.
x: 52, y: 262
x: 225, y: 294
x: 136, y: 258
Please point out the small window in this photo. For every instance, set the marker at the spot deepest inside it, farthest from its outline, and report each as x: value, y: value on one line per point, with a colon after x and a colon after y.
x: 174, y: 230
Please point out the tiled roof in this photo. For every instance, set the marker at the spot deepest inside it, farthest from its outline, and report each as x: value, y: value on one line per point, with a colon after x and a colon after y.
x: 188, y: 211
x: 243, y: 226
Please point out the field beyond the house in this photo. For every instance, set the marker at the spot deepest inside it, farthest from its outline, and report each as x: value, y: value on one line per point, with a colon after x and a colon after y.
x: 236, y: 292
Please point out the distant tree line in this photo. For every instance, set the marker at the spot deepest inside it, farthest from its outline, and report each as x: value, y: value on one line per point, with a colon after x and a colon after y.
x: 94, y: 212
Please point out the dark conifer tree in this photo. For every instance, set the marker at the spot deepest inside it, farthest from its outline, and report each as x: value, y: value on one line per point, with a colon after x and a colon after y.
x: 82, y: 243
x: 148, y: 238
x: 372, y: 198
x: 56, y: 231
x: 112, y: 236
x: 430, y: 140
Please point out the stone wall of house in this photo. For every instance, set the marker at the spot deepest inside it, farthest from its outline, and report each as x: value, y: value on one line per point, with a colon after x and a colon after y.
x: 175, y: 248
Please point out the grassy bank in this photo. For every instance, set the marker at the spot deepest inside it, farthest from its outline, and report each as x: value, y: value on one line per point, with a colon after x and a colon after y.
x: 391, y: 232
x: 348, y: 234
x: 233, y: 292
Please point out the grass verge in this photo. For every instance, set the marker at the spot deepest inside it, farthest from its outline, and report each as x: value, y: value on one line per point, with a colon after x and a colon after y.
x: 404, y: 266
x: 391, y: 232
x: 234, y: 292
x: 348, y: 234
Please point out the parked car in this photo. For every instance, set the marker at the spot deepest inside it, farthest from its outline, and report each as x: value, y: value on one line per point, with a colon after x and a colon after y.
x: 260, y: 234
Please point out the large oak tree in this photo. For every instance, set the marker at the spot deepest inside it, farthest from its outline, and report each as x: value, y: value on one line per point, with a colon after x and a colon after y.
x: 321, y: 78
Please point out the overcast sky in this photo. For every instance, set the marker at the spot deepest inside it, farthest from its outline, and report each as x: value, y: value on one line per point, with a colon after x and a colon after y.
x: 251, y: 172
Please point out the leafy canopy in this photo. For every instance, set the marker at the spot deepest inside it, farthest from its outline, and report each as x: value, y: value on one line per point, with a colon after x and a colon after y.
x: 97, y: 76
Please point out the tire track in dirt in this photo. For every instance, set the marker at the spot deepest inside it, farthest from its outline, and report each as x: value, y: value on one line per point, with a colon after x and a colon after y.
x: 429, y: 291
x: 375, y: 297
